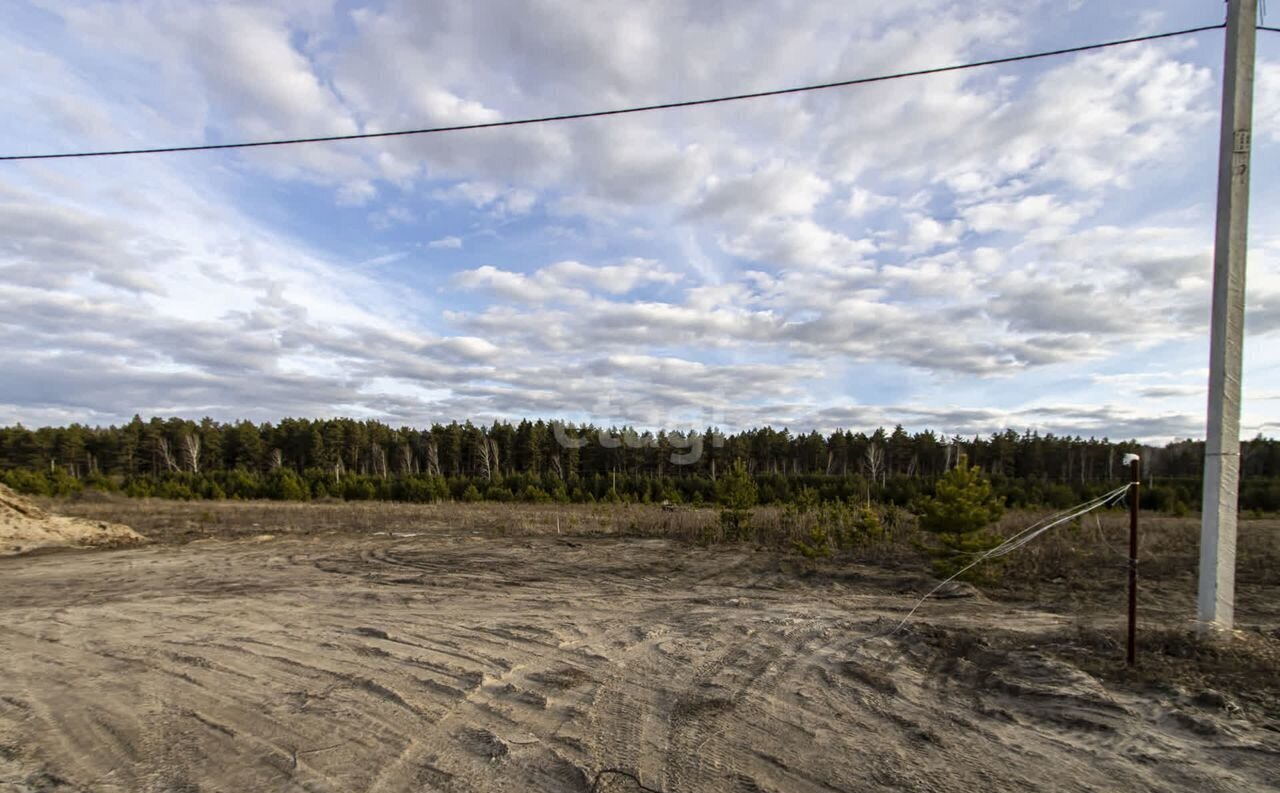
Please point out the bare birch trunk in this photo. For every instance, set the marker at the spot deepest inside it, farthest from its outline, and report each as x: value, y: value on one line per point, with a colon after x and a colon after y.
x: 191, y: 448
x: 166, y: 454
x: 433, y: 459
x: 486, y: 463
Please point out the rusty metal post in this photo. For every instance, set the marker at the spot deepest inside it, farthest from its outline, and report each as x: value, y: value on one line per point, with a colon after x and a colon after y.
x: 1136, y: 481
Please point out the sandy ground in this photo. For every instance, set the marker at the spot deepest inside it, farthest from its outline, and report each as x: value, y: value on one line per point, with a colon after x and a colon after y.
x: 25, y: 527
x: 461, y: 663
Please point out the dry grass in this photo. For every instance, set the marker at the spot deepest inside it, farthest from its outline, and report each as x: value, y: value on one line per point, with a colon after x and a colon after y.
x: 184, y: 521
x: 1075, y: 567
x: 1168, y: 546
x: 1074, y: 553
x: 1084, y: 564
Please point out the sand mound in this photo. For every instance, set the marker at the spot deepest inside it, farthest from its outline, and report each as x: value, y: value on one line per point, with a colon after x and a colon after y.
x: 25, y: 527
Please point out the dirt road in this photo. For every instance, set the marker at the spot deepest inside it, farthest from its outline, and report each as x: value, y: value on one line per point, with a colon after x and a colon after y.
x: 459, y: 663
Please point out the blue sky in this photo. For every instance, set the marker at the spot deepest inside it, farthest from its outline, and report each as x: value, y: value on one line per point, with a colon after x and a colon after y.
x: 1023, y: 246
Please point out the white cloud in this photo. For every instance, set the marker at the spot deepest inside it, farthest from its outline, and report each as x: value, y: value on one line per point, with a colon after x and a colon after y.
x: 926, y: 233
x: 1036, y: 215
x: 565, y: 281
x: 863, y: 201
x: 614, y: 279
x: 487, y: 195
x: 1021, y: 223
x: 798, y: 243
x: 356, y: 193
x: 774, y: 189
x: 1266, y: 101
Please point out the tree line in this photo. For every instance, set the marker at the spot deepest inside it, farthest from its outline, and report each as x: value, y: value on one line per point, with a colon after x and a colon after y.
x: 537, y: 460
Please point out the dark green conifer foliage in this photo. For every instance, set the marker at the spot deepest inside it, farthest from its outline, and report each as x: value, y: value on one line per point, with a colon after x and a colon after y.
x: 737, y: 493
x: 959, y: 516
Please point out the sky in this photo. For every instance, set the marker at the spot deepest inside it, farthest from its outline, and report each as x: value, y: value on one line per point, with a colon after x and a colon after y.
x: 1026, y: 246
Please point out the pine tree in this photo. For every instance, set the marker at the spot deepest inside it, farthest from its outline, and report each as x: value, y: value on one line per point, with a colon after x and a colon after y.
x: 958, y: 515
x: 737, y: 494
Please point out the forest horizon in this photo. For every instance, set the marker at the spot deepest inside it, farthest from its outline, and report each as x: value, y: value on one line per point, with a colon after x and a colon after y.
x: 536, y: 460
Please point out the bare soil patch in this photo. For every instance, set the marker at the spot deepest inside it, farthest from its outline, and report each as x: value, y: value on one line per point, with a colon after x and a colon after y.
x: 456, y: 660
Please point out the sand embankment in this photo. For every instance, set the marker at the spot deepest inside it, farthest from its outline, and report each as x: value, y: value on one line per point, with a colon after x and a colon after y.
x: 25, y: 527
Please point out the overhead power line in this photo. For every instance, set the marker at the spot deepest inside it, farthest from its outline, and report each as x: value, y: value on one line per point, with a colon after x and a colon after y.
x: 1273, y: 30
x: 616, y: 112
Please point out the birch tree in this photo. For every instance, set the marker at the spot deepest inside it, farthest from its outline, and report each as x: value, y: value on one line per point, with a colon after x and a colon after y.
x: 191, y: 449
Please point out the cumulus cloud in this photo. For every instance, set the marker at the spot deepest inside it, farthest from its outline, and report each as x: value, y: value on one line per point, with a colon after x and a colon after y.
x: 1032, y: 213
x: 925, y: 233
x: 615, y: 279
x: 772, y: 189
x: 799, y: 243
x: 861, y: 201
x: 981, y: 232
x: 487, y: 195
x: 1267, y: 99
x: 567, y: 281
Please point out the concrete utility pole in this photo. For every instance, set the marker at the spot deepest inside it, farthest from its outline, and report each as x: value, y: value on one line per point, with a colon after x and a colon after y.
x: 1222, y: 444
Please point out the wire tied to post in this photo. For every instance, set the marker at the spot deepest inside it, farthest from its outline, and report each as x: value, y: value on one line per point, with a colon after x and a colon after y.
x: 1022, y: 538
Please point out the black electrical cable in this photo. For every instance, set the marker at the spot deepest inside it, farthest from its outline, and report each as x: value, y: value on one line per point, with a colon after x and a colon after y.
x: 1273, y: 30
x: 616, y: 112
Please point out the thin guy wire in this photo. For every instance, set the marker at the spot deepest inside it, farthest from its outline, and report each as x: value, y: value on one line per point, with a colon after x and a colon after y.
x: 1013, y: 543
